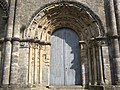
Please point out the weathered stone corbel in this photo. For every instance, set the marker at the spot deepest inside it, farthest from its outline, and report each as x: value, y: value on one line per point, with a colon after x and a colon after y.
x: 7, y: 39
x: 15, y: 39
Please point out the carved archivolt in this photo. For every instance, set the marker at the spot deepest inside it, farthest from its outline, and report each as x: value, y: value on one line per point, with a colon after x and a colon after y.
x: 64, y: 14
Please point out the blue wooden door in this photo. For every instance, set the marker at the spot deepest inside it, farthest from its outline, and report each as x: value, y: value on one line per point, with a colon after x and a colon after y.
x: 65, y: 58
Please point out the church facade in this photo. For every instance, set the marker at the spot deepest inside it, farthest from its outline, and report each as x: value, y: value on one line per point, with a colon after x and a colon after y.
x: 59, y: 45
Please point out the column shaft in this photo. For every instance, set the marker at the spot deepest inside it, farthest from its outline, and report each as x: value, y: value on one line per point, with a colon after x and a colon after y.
x: 117, y: 11
x: 89, y: 63
x: 101, y: 65
x: 29, y: 65
x: 14, y: 63
x: 95, y: 67
x: 7, y: 59
x: 36, y: 64
x: 9, y: 31
x: 41, y: 62
x: 116, y: 53
x: 15, y: 47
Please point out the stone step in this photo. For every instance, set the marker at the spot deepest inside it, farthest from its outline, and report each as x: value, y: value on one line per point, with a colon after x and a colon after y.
x: 67, y: 88
x: 46, y: 88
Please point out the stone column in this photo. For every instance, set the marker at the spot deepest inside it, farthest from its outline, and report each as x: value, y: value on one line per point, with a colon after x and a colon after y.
x: 14, y: 63
x: 36, y: 64
x: 117, y: 10
x: 7, y: 53
x: 100, y: 65
x: 116, y: 53
x: 46, y: 65
x: 95, y: 67
x: 15, y: 47
x: 23, y: 63
x: 48, y: 62
x: 7, y: 59
x: 83, y: 72
x: 89, y: 64
x: 41, y: 63
x: 106, y: 65
x: 29, y: 64
x: 0, y: 64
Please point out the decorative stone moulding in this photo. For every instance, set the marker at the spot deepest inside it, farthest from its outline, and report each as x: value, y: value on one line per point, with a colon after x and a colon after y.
x: 64, y: 14
x: 4, y: 5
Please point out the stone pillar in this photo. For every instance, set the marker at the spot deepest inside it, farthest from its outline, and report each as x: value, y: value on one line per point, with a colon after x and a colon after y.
x: 15, y: 50
x: 117, y: 10
x: 106, y: 65
x: 89, y: 66
x: 83, y: 70
x: 116, y: 53
x: 14, y: 63
x: 7, y: 59
x: 36, y: 65
x: 15, y: 47
x: 92, y: 65
x: 95, y: 67
x: 0, y: 64
x: 1, y: 60
x: 46, y: 65
x: 23, y: 63
x: 29, y: 64
x: 41, y: 63
x: 100, y: 65
x: 7, y: 53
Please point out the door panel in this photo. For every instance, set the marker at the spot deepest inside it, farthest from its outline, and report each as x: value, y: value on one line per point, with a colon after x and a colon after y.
x: 72, y: 58
x: 65, y: 58
x: 57, y: 64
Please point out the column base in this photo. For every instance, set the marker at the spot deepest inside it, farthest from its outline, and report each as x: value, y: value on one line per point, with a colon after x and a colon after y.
x: 23, y: 87
x: 116, y: 63
x: 104, y: 87
x: 39, y: 87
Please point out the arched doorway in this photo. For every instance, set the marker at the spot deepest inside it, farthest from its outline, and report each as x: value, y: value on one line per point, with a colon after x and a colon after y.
x: 65, y: 58
x: 51, y: 20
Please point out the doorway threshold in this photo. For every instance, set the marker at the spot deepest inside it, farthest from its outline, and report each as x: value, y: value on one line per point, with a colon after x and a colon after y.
x: 77, y: 87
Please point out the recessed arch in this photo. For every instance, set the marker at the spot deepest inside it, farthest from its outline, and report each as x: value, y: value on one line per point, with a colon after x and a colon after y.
x: 68, y: 14
x: 57, y: 15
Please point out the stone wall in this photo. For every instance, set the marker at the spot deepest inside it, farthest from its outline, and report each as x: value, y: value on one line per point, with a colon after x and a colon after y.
x: 2, y: 23
x: 24, y: 13
x: 29, y: 60
x: 27, y: 9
